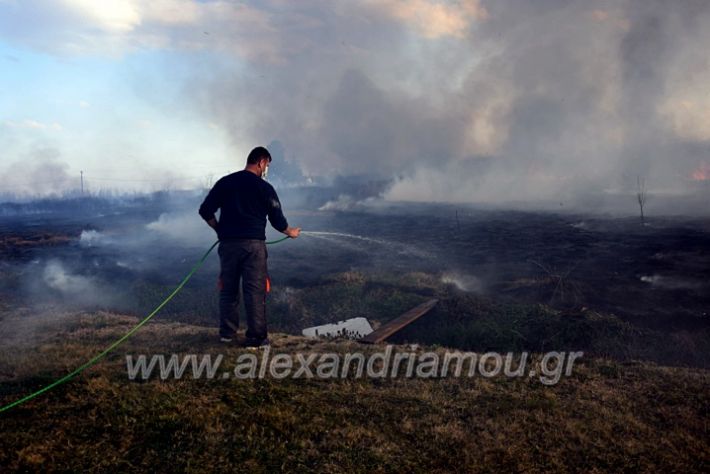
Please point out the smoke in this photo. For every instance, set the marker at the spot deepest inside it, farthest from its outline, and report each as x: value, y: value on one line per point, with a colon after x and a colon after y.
x: 464, y: 282
x: 70, y: 285
x: 468, y: 100
x: 671, y: 283
x: 57, y: 278
x: 91, y: 238
x: 536, y: 100
x: 345, y: 202
x: 39, y: 173
x: 105, y: 268
x: 184, y: 228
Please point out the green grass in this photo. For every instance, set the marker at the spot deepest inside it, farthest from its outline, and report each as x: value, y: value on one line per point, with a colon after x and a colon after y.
x: 607, y: 416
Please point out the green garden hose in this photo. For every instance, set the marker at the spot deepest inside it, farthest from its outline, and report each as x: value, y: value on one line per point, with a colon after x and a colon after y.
x: 118, y: 342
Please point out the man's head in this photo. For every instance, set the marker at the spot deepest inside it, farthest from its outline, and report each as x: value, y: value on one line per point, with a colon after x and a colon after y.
x: 258, y: 161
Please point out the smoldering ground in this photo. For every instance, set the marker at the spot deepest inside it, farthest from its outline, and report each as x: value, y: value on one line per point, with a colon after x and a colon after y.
x: 493, y: 105
x: 126, y: 255
x: 129, y: 261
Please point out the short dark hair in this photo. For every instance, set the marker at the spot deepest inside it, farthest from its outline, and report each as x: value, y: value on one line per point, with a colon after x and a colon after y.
x: 257, y: 154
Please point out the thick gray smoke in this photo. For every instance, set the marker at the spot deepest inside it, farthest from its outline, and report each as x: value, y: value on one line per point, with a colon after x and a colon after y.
x: 454, y: 100
x: 549, y: 100
x: 42, y: 172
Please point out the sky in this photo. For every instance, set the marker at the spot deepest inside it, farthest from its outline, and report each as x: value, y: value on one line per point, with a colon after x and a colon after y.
x: 468, y: 100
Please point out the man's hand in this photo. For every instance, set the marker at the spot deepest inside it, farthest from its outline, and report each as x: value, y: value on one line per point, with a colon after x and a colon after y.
x: 212, y: 223
x: 292, y: 231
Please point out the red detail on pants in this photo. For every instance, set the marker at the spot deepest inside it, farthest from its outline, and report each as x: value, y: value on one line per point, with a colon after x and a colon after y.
x: 220, y: 284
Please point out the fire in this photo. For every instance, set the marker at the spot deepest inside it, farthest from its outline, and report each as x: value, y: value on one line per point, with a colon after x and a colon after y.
x: 702, y: 173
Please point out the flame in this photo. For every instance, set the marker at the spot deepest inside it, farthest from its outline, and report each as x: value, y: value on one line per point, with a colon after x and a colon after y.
x: 702, y: 173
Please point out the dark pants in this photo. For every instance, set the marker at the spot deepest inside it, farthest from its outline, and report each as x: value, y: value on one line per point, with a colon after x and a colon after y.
x: 242, y: 259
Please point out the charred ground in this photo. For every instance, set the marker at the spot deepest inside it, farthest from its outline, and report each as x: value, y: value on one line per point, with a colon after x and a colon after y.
x: 507, y: 279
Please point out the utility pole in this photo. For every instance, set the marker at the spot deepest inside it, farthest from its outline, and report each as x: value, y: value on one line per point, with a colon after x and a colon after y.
x: 82, y: 182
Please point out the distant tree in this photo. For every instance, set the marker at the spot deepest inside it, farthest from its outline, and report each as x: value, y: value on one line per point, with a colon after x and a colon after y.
x: 641, y: 194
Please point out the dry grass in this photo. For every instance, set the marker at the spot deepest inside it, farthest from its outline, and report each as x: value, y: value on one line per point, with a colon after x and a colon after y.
x: 33, y: 240
x: 606, y: 417
x: 15, y: 245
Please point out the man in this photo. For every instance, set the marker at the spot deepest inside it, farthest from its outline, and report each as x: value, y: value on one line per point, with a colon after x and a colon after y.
x: 245, y: 200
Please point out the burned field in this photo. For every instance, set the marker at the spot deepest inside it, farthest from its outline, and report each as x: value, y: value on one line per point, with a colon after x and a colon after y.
x: 507, y: 280
x: 632, y: 297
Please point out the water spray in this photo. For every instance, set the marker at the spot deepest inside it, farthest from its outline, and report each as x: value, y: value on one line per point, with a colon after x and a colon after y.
x: 403, y: 248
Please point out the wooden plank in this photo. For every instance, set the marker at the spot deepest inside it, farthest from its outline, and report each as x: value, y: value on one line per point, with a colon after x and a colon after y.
x: 391, y: 327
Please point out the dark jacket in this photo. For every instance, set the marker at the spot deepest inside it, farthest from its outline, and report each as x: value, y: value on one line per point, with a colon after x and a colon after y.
x: 244, y: 200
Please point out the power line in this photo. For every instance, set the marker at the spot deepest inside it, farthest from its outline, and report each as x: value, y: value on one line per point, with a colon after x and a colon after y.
x: 26, y: 185
x: 67, y: 183
x: 87, y: 177
x: 161, y: 180
x: 200, y: 166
